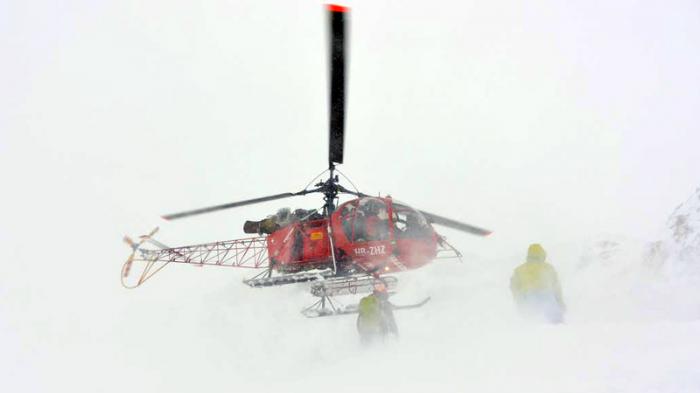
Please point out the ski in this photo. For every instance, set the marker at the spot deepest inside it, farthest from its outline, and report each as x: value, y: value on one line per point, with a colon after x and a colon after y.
x: 352, y: 309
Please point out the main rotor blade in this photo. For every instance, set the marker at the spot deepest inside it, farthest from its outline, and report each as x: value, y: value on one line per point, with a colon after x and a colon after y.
x: 450, y: 223
x: 231, y: 205
x: 338, y: 15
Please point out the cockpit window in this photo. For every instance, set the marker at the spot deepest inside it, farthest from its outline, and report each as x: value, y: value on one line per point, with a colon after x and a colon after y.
x: 409, y: 223
x: 371, y: 220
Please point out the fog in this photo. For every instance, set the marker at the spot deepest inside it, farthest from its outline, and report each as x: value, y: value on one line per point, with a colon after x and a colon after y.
x: 557, y: 123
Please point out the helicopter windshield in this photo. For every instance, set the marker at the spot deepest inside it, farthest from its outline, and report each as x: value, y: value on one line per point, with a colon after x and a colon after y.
x: 365, y: 220
x: 371, y: 220
x: 409, y: 223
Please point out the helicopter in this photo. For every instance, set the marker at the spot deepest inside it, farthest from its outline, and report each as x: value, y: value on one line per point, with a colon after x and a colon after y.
x: 341, y: 248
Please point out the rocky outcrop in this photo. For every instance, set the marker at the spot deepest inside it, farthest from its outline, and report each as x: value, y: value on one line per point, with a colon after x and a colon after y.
x: 682, y: 241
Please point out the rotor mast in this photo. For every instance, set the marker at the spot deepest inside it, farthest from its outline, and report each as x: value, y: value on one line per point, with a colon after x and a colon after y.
x: 330, y: 189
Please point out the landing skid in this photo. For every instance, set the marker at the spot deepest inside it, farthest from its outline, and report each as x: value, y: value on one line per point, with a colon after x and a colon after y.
x: 325, y: 307
x: 266, y: 279
x: 327, y: 289
x: 340, y: 286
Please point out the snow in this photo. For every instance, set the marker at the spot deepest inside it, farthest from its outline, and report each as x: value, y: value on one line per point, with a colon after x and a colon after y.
x: 202, y: 329
x: 554, y: 123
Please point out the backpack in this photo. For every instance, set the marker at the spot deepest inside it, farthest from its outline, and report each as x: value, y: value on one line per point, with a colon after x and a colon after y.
x: 370, y: 314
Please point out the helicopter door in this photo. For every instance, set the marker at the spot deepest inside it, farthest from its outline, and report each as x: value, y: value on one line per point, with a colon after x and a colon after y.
x: 371, y: 231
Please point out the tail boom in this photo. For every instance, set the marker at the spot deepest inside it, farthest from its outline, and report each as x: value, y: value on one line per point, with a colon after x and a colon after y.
x: 250, y: 253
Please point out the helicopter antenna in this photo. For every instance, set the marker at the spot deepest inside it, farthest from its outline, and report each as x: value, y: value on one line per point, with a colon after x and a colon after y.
x: 314, y: 179
x: 349, y: 181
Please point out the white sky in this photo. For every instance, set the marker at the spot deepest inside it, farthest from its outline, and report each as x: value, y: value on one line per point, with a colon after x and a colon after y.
x: 547, y: 121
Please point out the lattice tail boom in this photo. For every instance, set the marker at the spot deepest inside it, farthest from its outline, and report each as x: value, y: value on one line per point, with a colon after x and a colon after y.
x: 250, y: 253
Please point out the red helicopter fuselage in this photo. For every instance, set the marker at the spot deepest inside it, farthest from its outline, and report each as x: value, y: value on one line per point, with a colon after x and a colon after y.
x: 368, y: 234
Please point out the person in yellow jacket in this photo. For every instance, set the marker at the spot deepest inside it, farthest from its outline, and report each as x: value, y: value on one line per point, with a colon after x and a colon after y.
x: 376, y: 320
x: 536, y: 289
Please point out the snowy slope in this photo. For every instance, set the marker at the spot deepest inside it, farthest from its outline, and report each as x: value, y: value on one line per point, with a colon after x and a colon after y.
x: 647, y: 280
x: 201, y: 329
x: 467, y: 338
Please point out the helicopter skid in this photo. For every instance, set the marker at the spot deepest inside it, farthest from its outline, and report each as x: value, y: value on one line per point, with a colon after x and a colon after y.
x: 266, y: 280
x: 326, y: 307
x: 351, y: 285
x: 342, y: 286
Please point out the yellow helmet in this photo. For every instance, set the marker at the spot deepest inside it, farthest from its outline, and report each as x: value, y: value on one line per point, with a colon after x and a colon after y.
x: 535, y: 253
